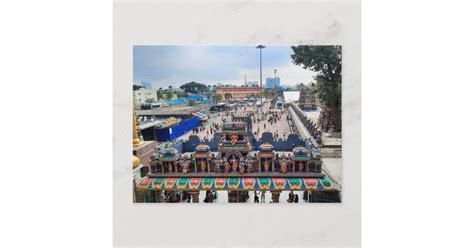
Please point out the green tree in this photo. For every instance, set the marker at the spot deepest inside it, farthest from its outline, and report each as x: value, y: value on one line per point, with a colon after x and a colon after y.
x: 159, y: 93
x: 216, y: 98
x: 180, y: 94
x: 326, y: 61
x: 193, y: 88
x: 169, y: 95
x: 191, y: 102
x: 149, y: 100
x: 137, y: 87
x: 227, y: 97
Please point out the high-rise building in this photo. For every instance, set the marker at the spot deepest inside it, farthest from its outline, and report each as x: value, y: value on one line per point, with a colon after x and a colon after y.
x: 252, y: 83
x: 146, y: 85
x: 272, y: 83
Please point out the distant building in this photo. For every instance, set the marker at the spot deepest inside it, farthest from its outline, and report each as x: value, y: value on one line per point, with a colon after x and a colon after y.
x: 307, y: 101
x: 140, y: 96
x: 291, y: 96
x: 252, y: 84
x: 238, y: 93
x: 272, y: 83
x: 146, y: 85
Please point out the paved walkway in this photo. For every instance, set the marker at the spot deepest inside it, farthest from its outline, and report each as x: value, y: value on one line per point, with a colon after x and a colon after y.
x: 280, y: 128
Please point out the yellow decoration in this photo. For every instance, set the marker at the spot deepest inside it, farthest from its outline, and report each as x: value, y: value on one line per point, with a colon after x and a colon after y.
x: 136, y: 161
x: 136, y: 140
x: 171, y: 120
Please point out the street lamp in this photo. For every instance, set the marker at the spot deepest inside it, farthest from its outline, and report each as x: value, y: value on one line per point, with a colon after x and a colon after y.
x: 261, y: 87
x: 275, y: 71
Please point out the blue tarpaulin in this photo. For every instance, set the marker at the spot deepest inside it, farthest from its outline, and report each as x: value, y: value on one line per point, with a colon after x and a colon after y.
x: 176, y: 131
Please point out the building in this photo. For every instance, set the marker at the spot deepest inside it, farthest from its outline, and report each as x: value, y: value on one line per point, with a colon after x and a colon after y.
x: 143, y: 95
x: 272, y: 83
x: 291, y: 96
x: 307, y: 101
x: 238, y: 92
x: 146, y: 85
x: 252, y: 84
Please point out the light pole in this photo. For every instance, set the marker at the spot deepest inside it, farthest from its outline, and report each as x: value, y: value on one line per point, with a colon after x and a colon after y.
x: 275, y: 71
x: 261, y: 87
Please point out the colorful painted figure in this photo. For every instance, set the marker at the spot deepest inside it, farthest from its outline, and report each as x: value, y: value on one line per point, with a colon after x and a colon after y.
x: 203, y: 165
x: 242, y: 167
x: 234, y: 138
x: 185, y: 167
x: 234, y: 164
x: 284, y: 169
x: 227, y: 167
x: 266, y: 165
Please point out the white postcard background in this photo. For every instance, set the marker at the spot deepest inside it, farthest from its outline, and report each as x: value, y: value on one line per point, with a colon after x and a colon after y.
x: 239, y: 23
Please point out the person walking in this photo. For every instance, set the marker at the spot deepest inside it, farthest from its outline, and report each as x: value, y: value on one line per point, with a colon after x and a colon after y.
x: 263, y: 197
x: 296, y: 198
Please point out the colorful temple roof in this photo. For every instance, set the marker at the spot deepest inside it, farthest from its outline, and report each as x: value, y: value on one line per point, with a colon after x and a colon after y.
x: 230, y: 127
x: 246, y: 183
x: 202, y: 151
x: 300, y: 154
x: 169, y: 154
x: 265, y: 147
x: 203, y: 148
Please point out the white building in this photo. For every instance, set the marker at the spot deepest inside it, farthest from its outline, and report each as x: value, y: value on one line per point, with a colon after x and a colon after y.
x: 252, y: 83
x: 140, y: 96
x: 291, y: 96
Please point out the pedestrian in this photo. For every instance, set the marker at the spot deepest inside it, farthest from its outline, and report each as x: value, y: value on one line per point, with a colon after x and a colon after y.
x: 296, y: 198
x: 255, y: 197
x: 263, y: 196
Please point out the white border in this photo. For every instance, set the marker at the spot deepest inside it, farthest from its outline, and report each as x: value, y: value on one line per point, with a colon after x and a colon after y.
x: 318, y: 23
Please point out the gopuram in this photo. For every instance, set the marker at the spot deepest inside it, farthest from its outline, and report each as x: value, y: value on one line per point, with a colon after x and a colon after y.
x: 236, y: 167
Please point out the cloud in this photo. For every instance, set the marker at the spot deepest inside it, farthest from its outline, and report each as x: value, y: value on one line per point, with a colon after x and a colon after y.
x: 175, y: 65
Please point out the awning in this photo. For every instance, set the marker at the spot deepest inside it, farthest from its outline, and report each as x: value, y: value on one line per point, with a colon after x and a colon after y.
x: 201, y: 116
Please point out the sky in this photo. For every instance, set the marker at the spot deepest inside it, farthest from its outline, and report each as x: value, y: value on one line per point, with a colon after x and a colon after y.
x: 176, y: 65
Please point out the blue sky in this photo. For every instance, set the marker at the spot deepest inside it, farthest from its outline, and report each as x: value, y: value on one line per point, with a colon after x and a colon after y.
x: 176, y: 65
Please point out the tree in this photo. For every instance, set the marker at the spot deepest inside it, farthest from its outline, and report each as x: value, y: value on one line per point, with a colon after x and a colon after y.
x: 193, y: 88
x: 137, y: 87
x: 149, y: 100
x: 180, y: 94
x: 227, y: 97
x: 191, y: 102
x: 326, y: 61
x: 216, y: 98
x: 159, y: 93
x: 169, y: 95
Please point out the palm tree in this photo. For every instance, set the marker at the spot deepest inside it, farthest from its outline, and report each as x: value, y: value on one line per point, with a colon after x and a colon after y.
x: 169, y: 95
x: 159, y: 93
x: 217, y: 98
x: 227, y: 97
